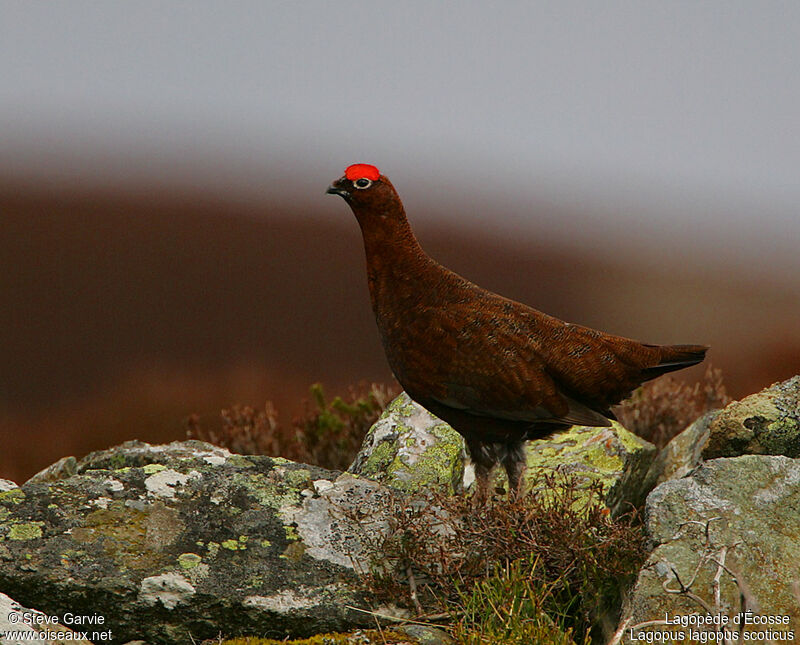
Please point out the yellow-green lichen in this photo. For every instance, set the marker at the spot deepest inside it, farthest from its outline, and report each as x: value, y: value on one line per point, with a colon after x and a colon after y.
x: 213, y: 549
x: 631, y: 442
x: 268, y: 492
x: 239, y: 461
x: 266, y: 543
x: 189, y: 560
x: 402, y: 405
x: 13, y: 496
x: 236, y: 545
x: 25, y: 531
x: 379, y: 460
x: 297, y: 477
x: 151, y: 469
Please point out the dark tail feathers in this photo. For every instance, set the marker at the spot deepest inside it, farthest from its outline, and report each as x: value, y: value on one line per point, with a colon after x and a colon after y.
x: 676, y: 357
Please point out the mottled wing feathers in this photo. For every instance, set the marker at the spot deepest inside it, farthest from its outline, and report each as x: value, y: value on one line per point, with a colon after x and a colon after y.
x: 499, y: 359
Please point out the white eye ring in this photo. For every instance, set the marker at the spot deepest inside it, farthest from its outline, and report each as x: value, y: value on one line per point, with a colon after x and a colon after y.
x: 362, y: 183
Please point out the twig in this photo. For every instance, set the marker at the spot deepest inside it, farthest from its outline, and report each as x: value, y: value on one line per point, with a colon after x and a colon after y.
x: 412, y: 584
x: 398, y: 620
x: 617, y: 637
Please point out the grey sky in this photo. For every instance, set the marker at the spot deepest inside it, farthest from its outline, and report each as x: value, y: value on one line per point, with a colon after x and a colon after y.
x: 659, y: 114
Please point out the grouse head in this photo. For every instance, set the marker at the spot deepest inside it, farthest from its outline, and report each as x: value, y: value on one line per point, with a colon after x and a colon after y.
x: 369, y: 193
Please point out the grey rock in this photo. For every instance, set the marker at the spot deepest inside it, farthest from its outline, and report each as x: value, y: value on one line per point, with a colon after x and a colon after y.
x: 15, y: 618
x: 682, y: 454
x: 612, y: 457
x: 64, y: 467
x: 765, y: 423
x: 410, y: 449
x: 426, y: 635
x: 185, y: 540
x: 7, y: 484
x: 743, y: 513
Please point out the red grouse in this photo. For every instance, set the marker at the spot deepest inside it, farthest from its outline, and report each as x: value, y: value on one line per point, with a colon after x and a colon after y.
x: 497, y: 371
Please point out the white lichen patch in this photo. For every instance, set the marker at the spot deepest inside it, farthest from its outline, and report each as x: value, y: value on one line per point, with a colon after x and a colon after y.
x: 170, y: 589
x: 290, y: 599
x: 164, y: 482
x: 322, y: 485
x: 326, y: 533
x: 114, y: 485
x: 101, y: 502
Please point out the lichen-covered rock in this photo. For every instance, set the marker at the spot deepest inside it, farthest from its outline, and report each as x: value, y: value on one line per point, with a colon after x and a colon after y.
x: 7, y: 484
x: 612, y: 457
x: 731, y: 533
x: 410, y: 449
x: 20, y: 626
x: 765, y: 423
x: 64, y: 467
x: 681, y: 454
x: 187, y: 540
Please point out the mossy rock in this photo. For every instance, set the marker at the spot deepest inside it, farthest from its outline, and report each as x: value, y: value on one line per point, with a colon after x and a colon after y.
x: 184, y: 541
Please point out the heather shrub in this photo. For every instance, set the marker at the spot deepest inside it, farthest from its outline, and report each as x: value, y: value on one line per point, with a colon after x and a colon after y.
x: 661, y: 409
x: 537, y: 568
x: 329, y: 433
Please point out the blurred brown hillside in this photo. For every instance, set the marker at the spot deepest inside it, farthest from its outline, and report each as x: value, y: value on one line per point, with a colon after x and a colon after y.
x: 123, y: 312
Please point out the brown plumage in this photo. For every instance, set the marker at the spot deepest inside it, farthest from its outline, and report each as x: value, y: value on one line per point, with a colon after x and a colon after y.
x: 497, y: 371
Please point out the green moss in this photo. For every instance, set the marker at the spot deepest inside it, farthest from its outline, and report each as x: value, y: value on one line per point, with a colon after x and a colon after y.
x: 437, y: 464
x: 126, y: 534
x: 603, y: 462
x: 25, y: 531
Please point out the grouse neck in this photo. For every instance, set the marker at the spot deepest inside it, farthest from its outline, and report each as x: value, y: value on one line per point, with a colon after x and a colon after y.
x: 390, y: 242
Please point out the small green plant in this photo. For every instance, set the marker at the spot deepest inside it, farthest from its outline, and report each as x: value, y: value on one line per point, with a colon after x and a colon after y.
x: 560, y: 554
x: 663, y: 408
x: 510, y: 607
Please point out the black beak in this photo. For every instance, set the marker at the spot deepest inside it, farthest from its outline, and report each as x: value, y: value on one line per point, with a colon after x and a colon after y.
x: 336, y: 189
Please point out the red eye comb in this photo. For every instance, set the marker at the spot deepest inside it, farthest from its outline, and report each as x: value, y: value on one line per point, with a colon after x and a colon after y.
x: 359, y: 170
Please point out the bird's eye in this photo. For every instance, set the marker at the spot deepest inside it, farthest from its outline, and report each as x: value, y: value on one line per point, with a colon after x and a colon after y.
x: 362, y: 183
